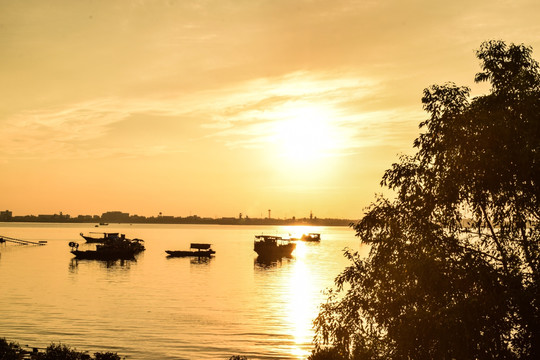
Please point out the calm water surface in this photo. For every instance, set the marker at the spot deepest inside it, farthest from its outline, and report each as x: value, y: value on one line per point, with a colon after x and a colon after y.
x: 168, y: 308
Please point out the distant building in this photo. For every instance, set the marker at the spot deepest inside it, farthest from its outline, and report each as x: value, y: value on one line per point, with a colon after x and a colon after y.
x: 85, y: 217
x: 115, y: 216
x: 53, y: 217
x: 6, y: 215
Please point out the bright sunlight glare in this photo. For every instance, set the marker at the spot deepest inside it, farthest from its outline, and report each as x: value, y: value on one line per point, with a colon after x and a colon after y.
x: 305, y: 134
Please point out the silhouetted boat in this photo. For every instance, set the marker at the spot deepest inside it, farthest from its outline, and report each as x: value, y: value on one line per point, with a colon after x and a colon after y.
x: 106, y: 236
x: 201, y: 250
x: 268, y: 246
x: 309, y: 237
x: 118, y: 248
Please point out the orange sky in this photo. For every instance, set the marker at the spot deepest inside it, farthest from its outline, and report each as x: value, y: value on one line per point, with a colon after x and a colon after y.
x: 217, y: 108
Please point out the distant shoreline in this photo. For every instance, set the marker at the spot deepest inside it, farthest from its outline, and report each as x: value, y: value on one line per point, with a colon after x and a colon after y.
x: 192, y: 220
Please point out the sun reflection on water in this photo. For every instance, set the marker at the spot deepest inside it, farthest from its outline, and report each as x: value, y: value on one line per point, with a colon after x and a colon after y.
x: 302, y: 304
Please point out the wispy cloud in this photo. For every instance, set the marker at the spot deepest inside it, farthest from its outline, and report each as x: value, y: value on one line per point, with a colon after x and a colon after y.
x: 77, y: 130
x: 49, y: 131
x: 247, y: 115
x: 250, y: 121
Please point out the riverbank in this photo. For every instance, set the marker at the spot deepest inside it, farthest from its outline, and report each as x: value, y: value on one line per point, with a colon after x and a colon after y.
x: 13, y: 351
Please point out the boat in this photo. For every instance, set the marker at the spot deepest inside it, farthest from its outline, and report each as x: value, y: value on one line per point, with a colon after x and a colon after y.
x: 105, y: 236
x: 119, y: 248
x: 196, y: 249
x: 308, y: 237
x: 311, y: 237
x: 269, y: 246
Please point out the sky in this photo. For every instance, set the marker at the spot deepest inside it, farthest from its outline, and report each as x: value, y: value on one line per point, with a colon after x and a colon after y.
x: 219, y: 107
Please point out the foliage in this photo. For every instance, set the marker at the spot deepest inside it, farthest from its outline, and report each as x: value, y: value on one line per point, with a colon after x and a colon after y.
x: 332, y: 353
x: 8, y: 350
x: 107, y: 356
x: 62, y: 352
x: 453, y: 270
x: 13, y: 351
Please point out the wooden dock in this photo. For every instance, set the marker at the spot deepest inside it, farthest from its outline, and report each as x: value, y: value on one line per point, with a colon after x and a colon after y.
x: 4, y: 239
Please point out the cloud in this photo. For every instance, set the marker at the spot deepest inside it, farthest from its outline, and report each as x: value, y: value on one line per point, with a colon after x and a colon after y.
x: 79, y: 130
x: 247, y: 115
x: 251, y: 118
x: 48, y: 131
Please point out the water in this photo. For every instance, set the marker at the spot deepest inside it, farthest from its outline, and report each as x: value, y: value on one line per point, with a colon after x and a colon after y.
x: 167, y: 308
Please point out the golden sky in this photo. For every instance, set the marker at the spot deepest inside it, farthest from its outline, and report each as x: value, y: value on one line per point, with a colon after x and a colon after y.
x: 222, y: 107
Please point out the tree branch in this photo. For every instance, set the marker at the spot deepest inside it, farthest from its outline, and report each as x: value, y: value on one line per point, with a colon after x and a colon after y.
x: 504, y: 257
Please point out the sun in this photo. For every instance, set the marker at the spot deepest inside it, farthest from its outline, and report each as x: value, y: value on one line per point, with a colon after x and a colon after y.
x: 304, y: 135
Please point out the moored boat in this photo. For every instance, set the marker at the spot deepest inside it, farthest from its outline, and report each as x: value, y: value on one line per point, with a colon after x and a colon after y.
x: 105, y: 236
x: 308, y: 237
x: 112, y: 249
x: 311, y: 237
x: 269, y: 246
x: 196, y: 250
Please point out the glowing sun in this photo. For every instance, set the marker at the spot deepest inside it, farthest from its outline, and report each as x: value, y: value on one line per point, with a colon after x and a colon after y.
x: 305, y: 134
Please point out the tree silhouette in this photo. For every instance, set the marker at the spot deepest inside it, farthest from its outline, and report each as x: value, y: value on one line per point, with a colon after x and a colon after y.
x: 453, y: 270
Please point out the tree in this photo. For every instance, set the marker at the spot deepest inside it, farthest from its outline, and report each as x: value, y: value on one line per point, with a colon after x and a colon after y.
x: 8, y: 350
x: 453, y: 269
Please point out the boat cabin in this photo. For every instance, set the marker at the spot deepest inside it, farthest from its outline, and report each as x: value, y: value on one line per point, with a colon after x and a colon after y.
x: 268, y: 238
x: 200, y: 246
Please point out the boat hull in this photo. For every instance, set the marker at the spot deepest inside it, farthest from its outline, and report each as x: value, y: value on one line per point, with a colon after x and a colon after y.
x: 269, y: 250
x: 101, y: 255
x: 187, y: 253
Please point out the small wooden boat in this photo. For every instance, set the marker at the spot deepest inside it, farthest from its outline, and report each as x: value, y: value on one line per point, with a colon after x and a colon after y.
x: 268, y: 246
x: 308, y: 237
x: 196, y: 249
x: 112, y: 249
x: 311, y: 237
